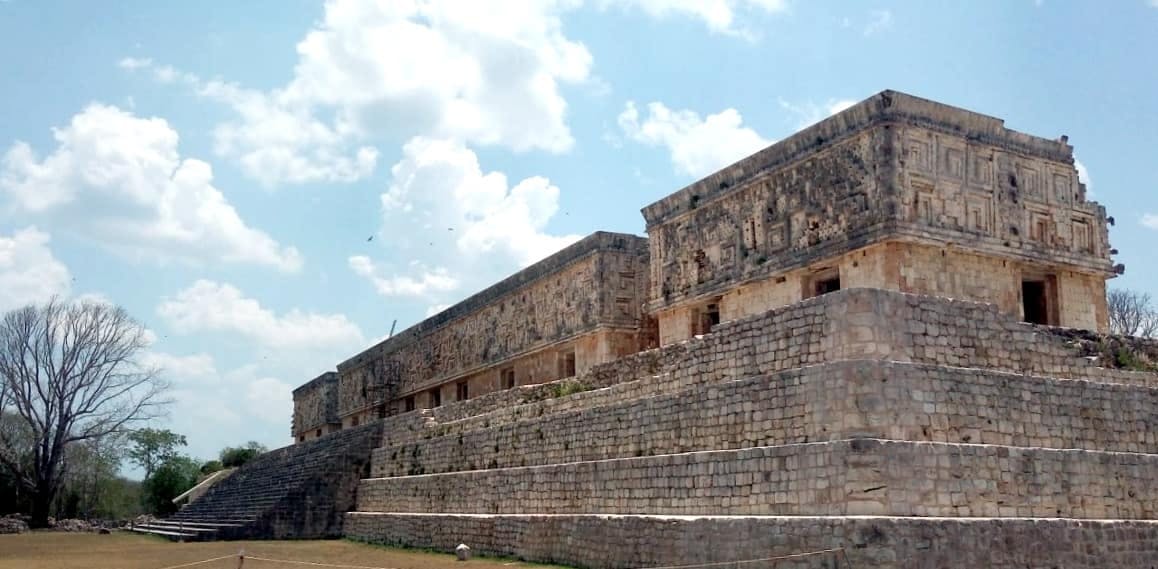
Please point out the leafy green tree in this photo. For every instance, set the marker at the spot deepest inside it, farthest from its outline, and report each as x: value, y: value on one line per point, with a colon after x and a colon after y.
x: 152, y: 447
x: 232, y: 457
x: 170, y: 479
x: 211, y: 466
x: 92, y: 487
x: 70, y: 372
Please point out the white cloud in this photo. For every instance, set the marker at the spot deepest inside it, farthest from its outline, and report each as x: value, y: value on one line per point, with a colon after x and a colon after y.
x: 809, y: 112
x: 435, y: 309
x: 429, y: 280
x: 29, y: 273
x: 270, y: 399
x: 462, y: 227
x: 1083, y: 172
x: 481, y: 72
x: 698, y: 146
x: 134, y: 63
x: 208, y: 306
x: 119, y: 181
x: 718, y: 15
x: 1150, y: 220
x: 879, y: 21
x: 196, y: 366
x: 215, y: 409
x: 441, y: 184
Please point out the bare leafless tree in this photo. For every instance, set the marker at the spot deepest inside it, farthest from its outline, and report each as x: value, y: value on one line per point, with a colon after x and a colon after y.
x: 70, y: 372
x: 1132, y: 313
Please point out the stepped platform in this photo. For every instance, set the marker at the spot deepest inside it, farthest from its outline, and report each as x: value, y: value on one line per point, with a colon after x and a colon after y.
x: 299, y: 491
x: 600, y: 540
x: 903, y: 430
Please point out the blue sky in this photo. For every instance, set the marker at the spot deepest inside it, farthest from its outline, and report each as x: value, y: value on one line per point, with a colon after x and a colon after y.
x: 268, y: 185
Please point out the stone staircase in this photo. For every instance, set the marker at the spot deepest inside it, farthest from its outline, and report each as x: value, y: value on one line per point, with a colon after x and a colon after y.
x: 299, y: 491
x: 903, y: 431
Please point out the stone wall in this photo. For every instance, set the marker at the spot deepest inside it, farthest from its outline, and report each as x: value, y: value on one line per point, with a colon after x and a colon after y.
x: 986, y: 196
x: 887, y: 400
x: 848, y: 324
x: 906, y: 327
x: 607, y: 541
x: 915, y: 431
x: 848, y: 477
x: 1115, y: 351
x: 598, y: 283
x: 315, y: 407
x: 810, y: 210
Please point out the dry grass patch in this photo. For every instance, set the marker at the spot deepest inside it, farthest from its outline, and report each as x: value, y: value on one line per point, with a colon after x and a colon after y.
x: 51, y: 550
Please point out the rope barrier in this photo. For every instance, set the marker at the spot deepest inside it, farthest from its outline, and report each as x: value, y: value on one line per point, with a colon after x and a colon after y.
x: 201, y: 562
x: 718, y: 564
x: 745, y: 561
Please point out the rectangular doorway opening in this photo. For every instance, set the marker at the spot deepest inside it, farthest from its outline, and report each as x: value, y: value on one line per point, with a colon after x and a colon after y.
x: 1039, y: 300
x: 508, y: 378
x: 409, y: 403
x: 822, y: 283
x: 462, y: 390
x: 435, y: 398
x: 567, y: 364
x: 705, y: 318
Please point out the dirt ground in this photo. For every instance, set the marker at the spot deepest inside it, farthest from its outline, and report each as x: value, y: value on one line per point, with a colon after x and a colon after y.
x: 51, y: 550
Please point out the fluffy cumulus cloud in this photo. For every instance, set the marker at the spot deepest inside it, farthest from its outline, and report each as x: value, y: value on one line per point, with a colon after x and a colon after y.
x: 718, y: 15
x: 119, y: 180
x: 223, y: 408
x: 426, y: 282
x: 29, y: 273
x: 467, y: 226
x: 698, y: 146
x: 482, y: 72
x: 208, y: 306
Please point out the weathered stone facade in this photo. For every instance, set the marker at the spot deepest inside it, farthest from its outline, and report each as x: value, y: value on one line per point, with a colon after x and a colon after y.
x: 878, y: 342
x: 316, y: 408
x: 577, y: 308
x: 845, y: 421
x: 895, y: 192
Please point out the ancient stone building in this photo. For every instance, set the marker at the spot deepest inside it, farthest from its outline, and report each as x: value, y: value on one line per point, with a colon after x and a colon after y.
x: 876, y: 343
x: 579, y: 307
x: 316, y: 408
x: 896, y: 193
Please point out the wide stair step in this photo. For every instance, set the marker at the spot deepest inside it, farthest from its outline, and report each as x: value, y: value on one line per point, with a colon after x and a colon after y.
x: 603, y: 540
x: 300, y: 491
x: 848, y: 477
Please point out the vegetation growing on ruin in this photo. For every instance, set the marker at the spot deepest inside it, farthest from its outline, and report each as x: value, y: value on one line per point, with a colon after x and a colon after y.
x: 568, y: 387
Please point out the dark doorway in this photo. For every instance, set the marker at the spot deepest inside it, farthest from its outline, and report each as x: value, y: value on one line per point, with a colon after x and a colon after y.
x: 1037, y: 302
x: 705, y: 318
x: 826, y: 286
x: 462, y: 390
x: 822, y: 282
x: 567, y: 364
x: 435, y: 398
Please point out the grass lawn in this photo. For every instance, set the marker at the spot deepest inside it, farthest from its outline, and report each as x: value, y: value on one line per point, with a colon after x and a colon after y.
x: 122, y: 550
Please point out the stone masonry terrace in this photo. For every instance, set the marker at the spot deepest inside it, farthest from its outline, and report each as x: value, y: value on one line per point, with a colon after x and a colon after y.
x: 883, y: 418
